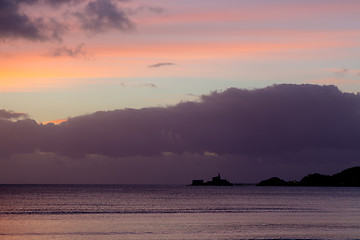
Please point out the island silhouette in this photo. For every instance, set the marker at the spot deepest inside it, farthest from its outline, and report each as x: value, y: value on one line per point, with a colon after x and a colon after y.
x: 216, y: 181
x: 346, y: 178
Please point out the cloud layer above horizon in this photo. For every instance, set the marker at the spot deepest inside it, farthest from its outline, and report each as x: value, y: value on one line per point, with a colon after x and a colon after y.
x: 285, y: 130
x: 264, y: 122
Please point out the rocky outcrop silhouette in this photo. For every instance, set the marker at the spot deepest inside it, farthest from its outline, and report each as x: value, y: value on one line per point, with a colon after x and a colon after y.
x: 216, y: 181
x: 274, y: 181
x: 347, y: 178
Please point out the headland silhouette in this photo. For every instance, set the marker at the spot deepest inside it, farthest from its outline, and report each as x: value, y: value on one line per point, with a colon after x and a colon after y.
x: 346, y: 178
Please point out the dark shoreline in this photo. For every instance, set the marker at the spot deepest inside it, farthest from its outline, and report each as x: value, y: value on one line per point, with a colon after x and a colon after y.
x: 346, y: 178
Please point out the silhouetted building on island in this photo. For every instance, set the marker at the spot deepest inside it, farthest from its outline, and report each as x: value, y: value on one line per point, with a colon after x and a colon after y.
x: 216, y: 181
x: 197, y: 182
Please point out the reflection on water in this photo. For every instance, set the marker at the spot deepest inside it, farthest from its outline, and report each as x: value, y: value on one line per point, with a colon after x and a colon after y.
x: 177, y: 212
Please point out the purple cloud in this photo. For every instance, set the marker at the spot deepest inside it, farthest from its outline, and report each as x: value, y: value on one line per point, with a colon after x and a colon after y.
x: 16, y: 24
x: 77, y: 52
x: 18, y: 137
x: 8, y: 115
x: 278, y: 123
x: 93, y: 16
x: 104, y: 15
x: 162, y: 64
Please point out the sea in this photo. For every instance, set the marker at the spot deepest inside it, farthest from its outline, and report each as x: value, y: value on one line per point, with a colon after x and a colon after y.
x: 86, y: 212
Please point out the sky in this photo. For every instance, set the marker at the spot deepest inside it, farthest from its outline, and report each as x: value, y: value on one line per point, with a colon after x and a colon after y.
x: 135, y: 91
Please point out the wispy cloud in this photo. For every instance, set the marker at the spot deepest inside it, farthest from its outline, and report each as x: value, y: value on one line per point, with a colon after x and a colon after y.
x: 341, y: 72
x: 138, y: 85
x: 154, y: 9
x: 151, y: 85
x: 11, y: 115
x: 345, y: 72
x: 161, y: 64
x: 77, y: 52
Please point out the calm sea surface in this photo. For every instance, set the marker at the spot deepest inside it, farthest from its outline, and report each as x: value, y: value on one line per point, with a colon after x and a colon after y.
x: 75, y: 212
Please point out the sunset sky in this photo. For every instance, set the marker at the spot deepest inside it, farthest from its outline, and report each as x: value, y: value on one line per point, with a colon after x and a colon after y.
x: 70, y: 58
x: 61, y: 59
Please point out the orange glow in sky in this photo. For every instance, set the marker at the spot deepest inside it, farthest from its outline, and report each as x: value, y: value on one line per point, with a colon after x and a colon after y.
x: 196, y: 48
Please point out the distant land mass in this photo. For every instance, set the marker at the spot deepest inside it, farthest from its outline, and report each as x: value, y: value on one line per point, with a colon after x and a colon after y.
x: 347, y: 178
x: 216, y: 181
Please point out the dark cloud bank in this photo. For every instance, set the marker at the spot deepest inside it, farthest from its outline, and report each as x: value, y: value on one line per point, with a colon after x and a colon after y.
x: 278, y: 128
x: 16, y: 24
x: 92, y: 16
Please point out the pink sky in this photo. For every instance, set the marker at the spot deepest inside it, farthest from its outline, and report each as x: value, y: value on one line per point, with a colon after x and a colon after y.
x: 242, y: 44
x: 170, y: 90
